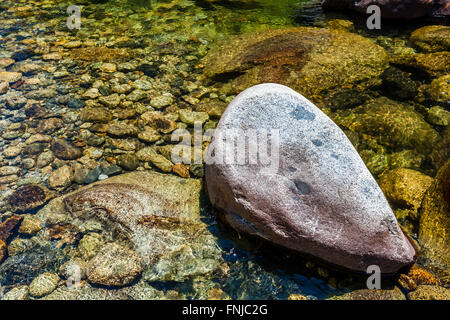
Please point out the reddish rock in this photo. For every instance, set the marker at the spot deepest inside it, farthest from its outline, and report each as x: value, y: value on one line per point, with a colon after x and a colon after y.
x: 321, y: 201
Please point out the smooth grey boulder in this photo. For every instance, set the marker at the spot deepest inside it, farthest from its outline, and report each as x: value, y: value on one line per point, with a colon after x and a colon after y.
x: 320, y: 200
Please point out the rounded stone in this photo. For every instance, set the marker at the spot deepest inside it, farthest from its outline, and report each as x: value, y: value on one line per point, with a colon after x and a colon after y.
x: 424, y: 292
x: 28, y: 197
x: 405, y: 187
x: 314, y: 193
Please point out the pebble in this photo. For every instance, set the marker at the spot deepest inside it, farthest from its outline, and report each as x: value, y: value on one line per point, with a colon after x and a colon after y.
x: 30, y: 226
x: 44, y: 284
x: 17, y: 293
x: 11, y: 152
x: 91, y: 93
x: 38, y: 138
x: 52, y: 56
x: 28, y: 163
x: 90, y: 245
x: 9, y: 170
x: 110, y: 101
x: 61, y: 177
x: 9, y: 179
x: 149, y: 135
x: 65, y: 150
x: 44, y: 159
x: 6, y: 62
x: 10, y: 77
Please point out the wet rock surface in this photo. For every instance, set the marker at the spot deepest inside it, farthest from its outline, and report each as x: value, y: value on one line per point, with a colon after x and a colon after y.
x: 393, y: 9
x: 316, y: 213
x: 435, y: 223
x: 300, y: 58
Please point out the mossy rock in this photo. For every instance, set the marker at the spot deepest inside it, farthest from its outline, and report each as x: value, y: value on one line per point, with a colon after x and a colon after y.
x: 434, y: 228
x: 309, y: 60
x: 432, y: 38
x: 434, y: 64
x: 393, y: 124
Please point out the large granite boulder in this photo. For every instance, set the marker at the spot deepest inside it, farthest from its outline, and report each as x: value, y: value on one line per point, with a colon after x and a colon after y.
x: 393, y: 9
x: 320, y: 199
x: 309, y: 60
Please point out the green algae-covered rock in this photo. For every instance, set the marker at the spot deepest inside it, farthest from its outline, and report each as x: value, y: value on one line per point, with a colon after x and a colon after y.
x: 432, y: 38
x: 114, y: 265
x: 434, y: 228
x: 434, y: 64
x: 440, y: 90
x: 43, y: 284
x: 393, y: 124
x: 424, y: 292
x: 309, y: 60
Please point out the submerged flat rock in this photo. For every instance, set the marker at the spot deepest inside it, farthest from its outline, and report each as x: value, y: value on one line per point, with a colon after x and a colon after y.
x: 160, y: 217
x: 320, y: 199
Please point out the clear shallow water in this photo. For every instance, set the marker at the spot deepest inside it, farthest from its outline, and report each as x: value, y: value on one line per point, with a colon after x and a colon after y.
x: 168, y: 30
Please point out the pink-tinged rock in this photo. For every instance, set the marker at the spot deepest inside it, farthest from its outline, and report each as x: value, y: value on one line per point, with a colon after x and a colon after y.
x: 320, y: 200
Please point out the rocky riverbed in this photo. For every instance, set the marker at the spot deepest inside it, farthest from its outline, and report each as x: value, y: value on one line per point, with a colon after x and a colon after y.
x: 86, y: 118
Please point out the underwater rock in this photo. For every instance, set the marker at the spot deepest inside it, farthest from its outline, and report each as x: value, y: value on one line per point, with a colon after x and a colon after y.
x: 157, y: 214
x: 440, y: 90
x: 369, y: 294
x: 61, y: 177
x: 310, y: 60
x: 43, y: 284
x: 424, y: 292
x: 405, y: 187
x: 65, y: 150
x: 22, y: 268
x: 17, y: 293
x: 432, y: 38
x: 393, y: 124
x: 434, y: 64
x: 95, y: 115
x: 434, y: 227
x: 28, y: 197
x: 391, y: 9
x: 399, y: 84
x: 320, y: 199
x: 441, y: 151
x: 114, y: 265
